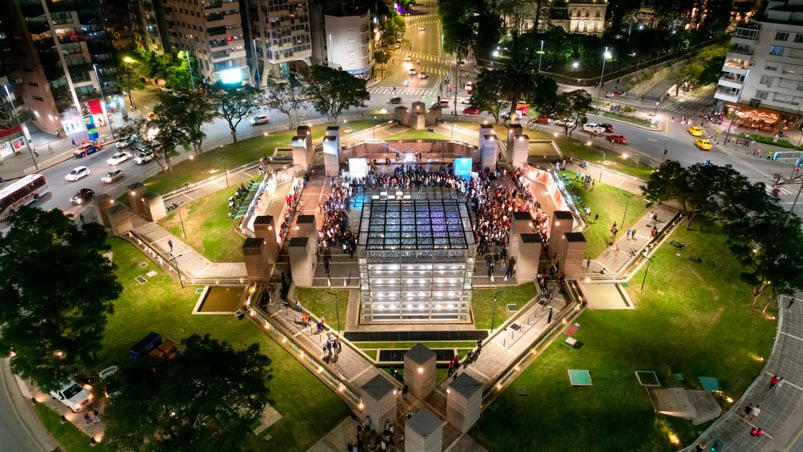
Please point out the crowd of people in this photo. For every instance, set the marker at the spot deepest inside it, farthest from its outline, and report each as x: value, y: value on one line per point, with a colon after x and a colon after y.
x: 335, y: 231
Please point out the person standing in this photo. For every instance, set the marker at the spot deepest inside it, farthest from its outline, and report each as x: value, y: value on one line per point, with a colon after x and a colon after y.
x: 791, y: 302
x: 756, y: 411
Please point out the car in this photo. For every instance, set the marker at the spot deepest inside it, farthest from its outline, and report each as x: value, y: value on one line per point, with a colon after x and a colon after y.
x: 395, y: 100
x: 593, y: 128
x: 85, y: 149
x: 616, y: 138
x: 469, y: 86
x: 471, y: 111
x: 703, y: 144
x: 408, y: 59
x: 695, y: 131
x: 110, y: 376
x: 506, y: 115
x: 613, y: 94
x: 112, y: 176
x: 118, y: 158
x: 443, y: 103
x: 412, y: 71
x: 76, y: 397
x: 420, y: 28
x: 422, y: 75
x: 542, y: 120
x: 522, y: 107
x: 77, y: 173
x: 397, y: 46
x: 144, y: 157
x: 82, y: 196
x: 564, y: 122
x: 123, y: 143
x: 608, y: 127
x: 259, y: 119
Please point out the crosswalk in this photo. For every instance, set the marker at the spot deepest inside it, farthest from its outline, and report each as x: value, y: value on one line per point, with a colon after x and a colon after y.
x: 420, y: 92
x: 783, y: 189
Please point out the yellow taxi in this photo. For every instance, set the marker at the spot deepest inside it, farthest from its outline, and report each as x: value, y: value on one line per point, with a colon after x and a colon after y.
x: 696, y: 131
x: 703, y: 144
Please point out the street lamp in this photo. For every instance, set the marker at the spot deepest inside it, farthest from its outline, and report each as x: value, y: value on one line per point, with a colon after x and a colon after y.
x: 605, y: 56
x: 493, y: 311
x: 575, y: 65
x: 189, y: 69
x: 103, y: 100
x: 19, y: 124
x: 602, y: 166
x: 178, y: 272
x: 540, y: 55
x: 646, y: 270
x: 730, y: 126
x: 655, y: 114
x: 337, y: 309
x: 629, y: 196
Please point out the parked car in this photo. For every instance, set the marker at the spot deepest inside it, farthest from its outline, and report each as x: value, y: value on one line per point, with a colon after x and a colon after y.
x: 82, y: 196
x: 522, y: 107
x: 542, y: 120
x: 593, y: 128
x: 703, y: 144
x: 506, y: 115
x: 74, y: 396
x: 123, y: 143
x: 77, y: 173
x: 420, y: 28
x: 85, y: 149
x: 422, y: 75
x: 395, y: 100
x: 471, y: 111
x: 613, y: 93
x: 608, y: 127
x: 564, y: 122
x: 112, y: 176
x: 259, y: 119
x: 144, y: 157
x: 469, y: 86
x: 109, y: 377
x: 695, y: 131
x: 118, y: 158
x: 616, y: 138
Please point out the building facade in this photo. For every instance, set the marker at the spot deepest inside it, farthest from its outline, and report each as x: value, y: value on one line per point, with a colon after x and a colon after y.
x: 581, y: 17
x: 762, y: 79
x: 280, y: 34
x: 212, y: 31
x: 348, y: 43
x: 64, y: 59
x: 149, y: 26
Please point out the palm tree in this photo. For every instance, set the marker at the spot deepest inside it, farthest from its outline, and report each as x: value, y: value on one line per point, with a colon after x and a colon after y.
x: 519, y: 73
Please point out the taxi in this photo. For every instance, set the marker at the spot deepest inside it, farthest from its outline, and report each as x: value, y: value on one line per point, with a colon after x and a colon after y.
x: 703, y: 144
x: 696, y: 131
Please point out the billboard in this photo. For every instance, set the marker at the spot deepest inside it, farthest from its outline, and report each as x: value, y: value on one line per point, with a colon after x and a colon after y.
x: 462, y: 167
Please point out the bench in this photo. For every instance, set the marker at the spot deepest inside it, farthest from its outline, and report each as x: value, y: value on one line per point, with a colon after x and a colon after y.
x: 678, y: 245
x: 699, y: 260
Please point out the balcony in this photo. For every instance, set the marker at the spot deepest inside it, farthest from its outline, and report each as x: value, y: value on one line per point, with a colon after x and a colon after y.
x: 727, y: 95
x: 740, y: 50
x: 731, y: 81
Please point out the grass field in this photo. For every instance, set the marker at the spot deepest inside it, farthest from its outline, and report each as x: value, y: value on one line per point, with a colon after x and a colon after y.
x: 613, y: 158
x: 309, y: 409
x: 691, y: 318
x: 482, y: 303
x: 417, y: 135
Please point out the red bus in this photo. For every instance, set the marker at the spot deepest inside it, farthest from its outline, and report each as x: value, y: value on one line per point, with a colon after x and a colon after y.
x: 21, y: 193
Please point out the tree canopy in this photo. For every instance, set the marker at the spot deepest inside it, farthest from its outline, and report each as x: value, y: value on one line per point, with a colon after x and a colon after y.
x: 57, y: 289
x: 288, y: 98
x: 487, y: 94
x: 234, y: 104
x: 183, y: 114
x: 332, y: 91
x: 206, y: 398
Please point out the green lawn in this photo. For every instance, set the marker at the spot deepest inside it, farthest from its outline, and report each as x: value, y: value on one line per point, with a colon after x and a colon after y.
x: 417, y: 135
x: 67, y: 434
x: 209, y: 230
x: 234, y: 155
x: 482, y: 304
x: 691, y: 318
x: 609, y: 202
x: 308, y: 408
x: 322, y: 303
x: 579, y: 150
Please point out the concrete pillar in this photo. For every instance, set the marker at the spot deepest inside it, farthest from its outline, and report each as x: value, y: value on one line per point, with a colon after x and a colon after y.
x: 485, y: 131
x: 306, y: 132
x: 423, y: 432
x: 256, y: 262
x: 562, y: 222
x: 305, y: 226
x: 527, y: 250
x: 518, y: 150
x: 418, y: 121
x: 402, y: 114
x: 104, y: 203
x: 418, y: 107
x: 513, y: 130
x: 301, y: 261
x: 434, y: 115
x: 463, y: 402
x: 489, y: 152
x: 522, y: 223
x: 154, y: 206
x: 135, y: 193
x: 264, y: 228
x: 299, y: 144
x: 419, y: 370
x: 573, y: 250
x: 379, y: 399
x: 119, y: 219
x: 331, y: 151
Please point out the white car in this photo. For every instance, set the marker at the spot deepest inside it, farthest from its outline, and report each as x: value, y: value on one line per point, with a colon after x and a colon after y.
x: 112, y: 176
x: 422, y: 75
x: 259, y: 119
x: 74, y: 396
x: 109, y: 376
x: 119, y: 158
x: 144, y: 157
x: 77, y: 173
x: 594, y: 128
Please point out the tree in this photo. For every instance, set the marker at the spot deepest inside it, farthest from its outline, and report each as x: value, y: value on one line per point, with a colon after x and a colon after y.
x: 57, y: 289
x: 544, y: 96
x: 518, y: 76
x: 206, y: 398
x: 185, y: 113
x: 487, y: 94
x: 129, y: 77
x: 146, y: 136
x: 406, y: 5
x: 393, y: 25
x: 288, y: 98
x: 234, y: 104
x: 333, y: 90
x: 574, y: 104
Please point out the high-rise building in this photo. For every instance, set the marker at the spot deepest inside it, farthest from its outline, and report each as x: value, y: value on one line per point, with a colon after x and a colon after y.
x: 62, y: 50
x: 762, y: 78
x: 148, y: 25
x: 212, y: 31
x: 280, y: 34
x: 342, y: 37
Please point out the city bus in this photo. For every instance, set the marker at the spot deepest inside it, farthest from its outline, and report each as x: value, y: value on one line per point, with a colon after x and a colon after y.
x: 21, y: 193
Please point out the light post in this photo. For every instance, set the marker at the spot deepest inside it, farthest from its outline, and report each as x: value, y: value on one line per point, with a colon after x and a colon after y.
x: 602, y: 75
x: 646, y: 270
x: 664, y: 157
x: 441, y: 55
x: 628, y: 196
x: 655, y: 114
x: 730, y: 126
x: 337, y: 309
x: 181, y: 220
x: 493, y: 311
x: 103, y: 100
x: 189, y: 69
x: 127, y: 60
x: 540, y: 55
x: 178, y: 272
x: 602, y: 166
x: 225, y: 171
x: 19, y: 124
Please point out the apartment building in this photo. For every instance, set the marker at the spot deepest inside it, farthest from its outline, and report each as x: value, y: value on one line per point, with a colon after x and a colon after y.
x: 280, y: 34
x: 149, y: 26
x: 212, y: 31
x: 762, y: 78
x: 64, y: 60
